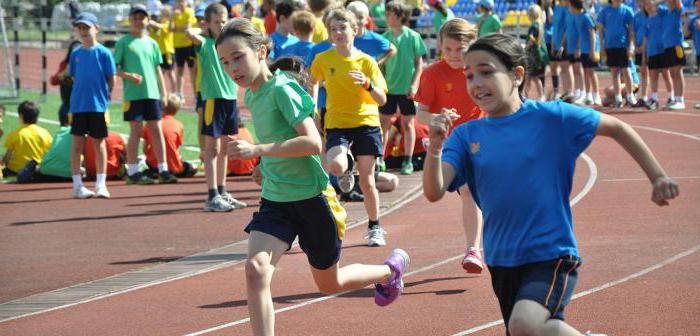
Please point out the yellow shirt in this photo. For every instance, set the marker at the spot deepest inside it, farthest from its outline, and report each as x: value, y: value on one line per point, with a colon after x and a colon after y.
x: 320, y: 32
x: 29, y: 142
x: 348, y: 105
x: 180, y: 21
x: 164, y: 37
x: 258, y: 23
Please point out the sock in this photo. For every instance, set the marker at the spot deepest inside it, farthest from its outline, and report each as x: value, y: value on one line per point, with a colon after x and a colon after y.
x: 162, y: 167
x: 221, y: 190
x: 555, y: 83
x: 132, y: 168
x: 100, y: 180
x: 373, y: 224
x: 596, y: 96
x: 213, y: 193
x: 680, y: 99
x: 77, y: 181
x: 589, y: 96
x: 578, y: 93
x: 631, y: 99
x: 654, y: 96
x: 618, y: 98
x: 671, y: 95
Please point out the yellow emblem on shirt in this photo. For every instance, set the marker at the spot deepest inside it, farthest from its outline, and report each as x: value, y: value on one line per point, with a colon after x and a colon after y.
x: 475, y: 147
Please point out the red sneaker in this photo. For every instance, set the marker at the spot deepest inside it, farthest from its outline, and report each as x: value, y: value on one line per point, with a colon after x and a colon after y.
x: 472, y: 261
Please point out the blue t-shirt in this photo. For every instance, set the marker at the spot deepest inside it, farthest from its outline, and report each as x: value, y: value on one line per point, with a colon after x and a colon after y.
x: 280, y: 42
x: 655, y: 43
x: 695, y: 32
x: 300, y: 49
x: 640, y: 24
x: 571, y: 32
x: 317, y: 49
x: 585, y: 24
x: 372, y: 44
x: 90, y: 69
x: 673, y: 28
x: 520, y: 169
x: 558, y: 25
x: 616, y: 22
x: 548, y: 32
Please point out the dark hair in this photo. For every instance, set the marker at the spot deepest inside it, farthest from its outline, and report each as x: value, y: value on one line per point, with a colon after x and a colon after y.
x: 577, y: 4
x: 400, y: 9
x: 506, y: 49
x: 286, y: 8
x: 318, y: 5
x: 245, y: 29
x: 293, y: 66
x: 29, y: 111
x: 214, y: 9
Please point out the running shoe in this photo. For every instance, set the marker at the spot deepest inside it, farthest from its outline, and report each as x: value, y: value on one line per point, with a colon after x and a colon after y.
x: 472, y: 261
x: 82, y: 193
x: 652, y: 104
x: 217, y: 204
x: 166, y: 178
x: 375, y: 237
x: 677, y: 105
x: 139, y: 178
x: 234, y: 202
x: 347, y: 181
x: 386, y: 293
x: 102, y: 192
x: 407, y: 168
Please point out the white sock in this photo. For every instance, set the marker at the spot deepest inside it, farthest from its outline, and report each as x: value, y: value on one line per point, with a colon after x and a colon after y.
x: 589, y: 96
x: 77, y: 181
x: 631, y: 99
x: 101, y: 181
x: 654, y: 96
x: 162, y: 167
x: 671, y: 95
x: 132, y: 168
x: 596, y: 96
x: 680, y: 99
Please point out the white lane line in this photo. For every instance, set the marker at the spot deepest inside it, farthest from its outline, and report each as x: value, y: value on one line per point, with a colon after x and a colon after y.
x: 601, y: 287
x: 586, y: 189
x: 646, y: 179
x: 682, y: 114
x: 638, y: 274
x: 126, y: 136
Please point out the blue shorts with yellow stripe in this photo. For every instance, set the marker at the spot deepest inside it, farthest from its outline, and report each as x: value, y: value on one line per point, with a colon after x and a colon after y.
x: 142, y: 110
x: 318, y: 221
x: 550, y: 283
x: 220, y: 117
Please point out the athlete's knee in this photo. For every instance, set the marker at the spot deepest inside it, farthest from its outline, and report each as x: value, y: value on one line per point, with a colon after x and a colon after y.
x: 367, y: 184
x: 257, y: 272
x: 520, y: 326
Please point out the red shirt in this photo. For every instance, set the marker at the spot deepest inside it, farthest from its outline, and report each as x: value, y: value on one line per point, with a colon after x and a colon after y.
x: 116, y: 151
x: 270, y: 22
x: 441, y: 86
x: 242, y: 167
x: 418, y: 148
x: 172, y: 133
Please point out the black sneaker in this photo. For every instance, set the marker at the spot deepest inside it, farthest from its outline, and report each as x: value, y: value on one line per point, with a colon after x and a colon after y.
x: 652, y: 104
x: 139, y: 178
x: 352, y: 196
x: 166, y: 177
x: 640, y: 103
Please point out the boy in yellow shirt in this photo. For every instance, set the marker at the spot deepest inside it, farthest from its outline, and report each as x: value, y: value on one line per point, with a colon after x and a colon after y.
x: 183, y: 19
x: 162, y: 32
x: 29, y: 142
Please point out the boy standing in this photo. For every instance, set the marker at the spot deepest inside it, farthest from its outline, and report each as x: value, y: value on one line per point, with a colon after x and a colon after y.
x: 29, y: 142
x: 281, y: 38
x: 220, y: 117
x: 138, y: 58
x: 403, y: 72
x: 673, y: 50
x: 616, y: 24
x: 92, y: 68
x: 303, y: 23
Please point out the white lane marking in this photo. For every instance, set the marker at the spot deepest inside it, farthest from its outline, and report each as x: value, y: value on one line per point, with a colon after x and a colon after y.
x: 646, y: 179
x: 682, y: 114
x: 586, y: 189
x: 654, y: 129
x: 601, y: 287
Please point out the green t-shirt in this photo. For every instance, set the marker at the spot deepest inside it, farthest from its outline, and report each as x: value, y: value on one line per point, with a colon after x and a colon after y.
x: 439, y: 19
x: 277, y: 108
x: 490, y: 24
x: 141, y: 56
x: 56, y: 161
x: 399, y: 69
x: 215, y: 82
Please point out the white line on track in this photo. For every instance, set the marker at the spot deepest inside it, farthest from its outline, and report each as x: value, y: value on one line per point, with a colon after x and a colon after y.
x: 586, y: 189
x: 653, y: 129
x: 682, y: 114
x: 646, y: 179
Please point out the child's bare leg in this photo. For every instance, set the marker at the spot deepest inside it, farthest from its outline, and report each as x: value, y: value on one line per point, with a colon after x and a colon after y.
x: 264, y: 251
x: 365, y: 167
x: 409, y: 125
x: 170, y: 77
x: 200, y: 136
x: 615, y: 73
x: 354, y: 276
x: 337, y: 160
x: 211, y: 150
x: 531, y: 318
x: 678, y: 80
x: 385, y: 121
x: 472, y: 226
x: 100, y: 147
x: 180, y: 73
x: 222, y: 162
x: 76, y: 151
x: 132, y: 146
x: 193, y: 75
x: 155, y: 127
x: 594, y: 82
x: 644, y: 81
x: 666, y: 75
x: 654, y: 80
x: 565, y: 74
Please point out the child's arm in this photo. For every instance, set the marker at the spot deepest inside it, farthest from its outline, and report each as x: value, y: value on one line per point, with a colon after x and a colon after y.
x: 391, y: 52
x: 416, y: 77
x: 591, y: 52
x: 601, y: 38
x: 561, y: 47
x: 308, y: 142
x: 630, y: 41
x: 436, y: 175
x: 359, y: 78
x: 132, y: 77
x: 664, y: 187
x: 161, y: 86
x: 194, y: 35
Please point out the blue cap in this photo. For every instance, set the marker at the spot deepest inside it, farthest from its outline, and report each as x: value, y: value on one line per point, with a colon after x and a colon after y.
x: 488, y: 4
x: 200, y: 9
x: 138, y: 8
x: 86, y: 18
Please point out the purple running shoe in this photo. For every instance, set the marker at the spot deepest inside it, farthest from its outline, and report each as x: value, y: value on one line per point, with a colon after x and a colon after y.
x: 386, y: 293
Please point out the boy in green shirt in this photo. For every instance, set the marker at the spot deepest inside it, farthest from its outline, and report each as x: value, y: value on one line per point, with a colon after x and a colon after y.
x: 489, y: 22
x: 402, y: 72
x: 220, y: 115
x: 138, y: 58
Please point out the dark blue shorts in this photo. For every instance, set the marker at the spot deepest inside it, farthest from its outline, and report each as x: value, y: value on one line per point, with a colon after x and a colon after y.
x: 167, y: 61
x: 199, y: 103
x: 366, y: 140
x: 92, y: 124
x: 551, y: 283
x: 674, y: 56
x: 572, y: 58
x: 142, y: 110
x: 185, y: 55
x: 406, y: 106
x: 318, y: 221
x: 617, y: 58
x: 220, y: 117
x: 587, y: 62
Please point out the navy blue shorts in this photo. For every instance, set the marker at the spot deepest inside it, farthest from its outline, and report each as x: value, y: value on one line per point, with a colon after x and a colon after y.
x: 92, y: 124
x: 617, y: 58
x: 674, y: 56
x: 587, y: 63
x: 657, y: 62
x: 318, y: 221
x: 220, y: 117
x: 185, y: 55
x: 406, y: 106
x: 142, y: 110
x: 167, y: 61
x: 366, y: 140
x: 572, y: 58
x: 550, y: 283
x: 638, y: 59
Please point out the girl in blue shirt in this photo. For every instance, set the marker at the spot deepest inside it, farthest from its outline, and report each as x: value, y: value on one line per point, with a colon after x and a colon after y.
x: 673, y: 51
x: 559, y: 63
x: 639, y: 27
x: 524, y: 191
x: 655, y: 54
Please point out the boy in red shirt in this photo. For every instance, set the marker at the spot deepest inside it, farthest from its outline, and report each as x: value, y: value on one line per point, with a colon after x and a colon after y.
x: 116, y: 156
x: 173, y: 135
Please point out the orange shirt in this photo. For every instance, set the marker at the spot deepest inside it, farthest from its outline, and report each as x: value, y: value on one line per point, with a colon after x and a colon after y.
x: 270, y: 22
x: 441, y: 86
x: 398, y: 149
x: 242, y: 167
x: 172, y: 133
x: 116, y: 151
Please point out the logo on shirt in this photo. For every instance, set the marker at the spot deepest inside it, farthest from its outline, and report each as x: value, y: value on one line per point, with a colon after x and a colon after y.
x: 448, y: 87
x: 332, y: 71
x: 475, y: 147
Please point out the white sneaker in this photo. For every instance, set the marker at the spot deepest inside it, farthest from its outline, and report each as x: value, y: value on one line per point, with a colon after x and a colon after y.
x: 82, y: 193
x: 102, y: 192
x: 217, y: 204
x: 677, y: 106
x: 347, y: 181
x: 375, y: 237
x: 234, y: 202
x: 597, y: 101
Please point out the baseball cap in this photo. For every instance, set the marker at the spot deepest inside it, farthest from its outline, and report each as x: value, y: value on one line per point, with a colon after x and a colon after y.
x: 488, y: 4
x: 86, y: 18
x: 138, y: 8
